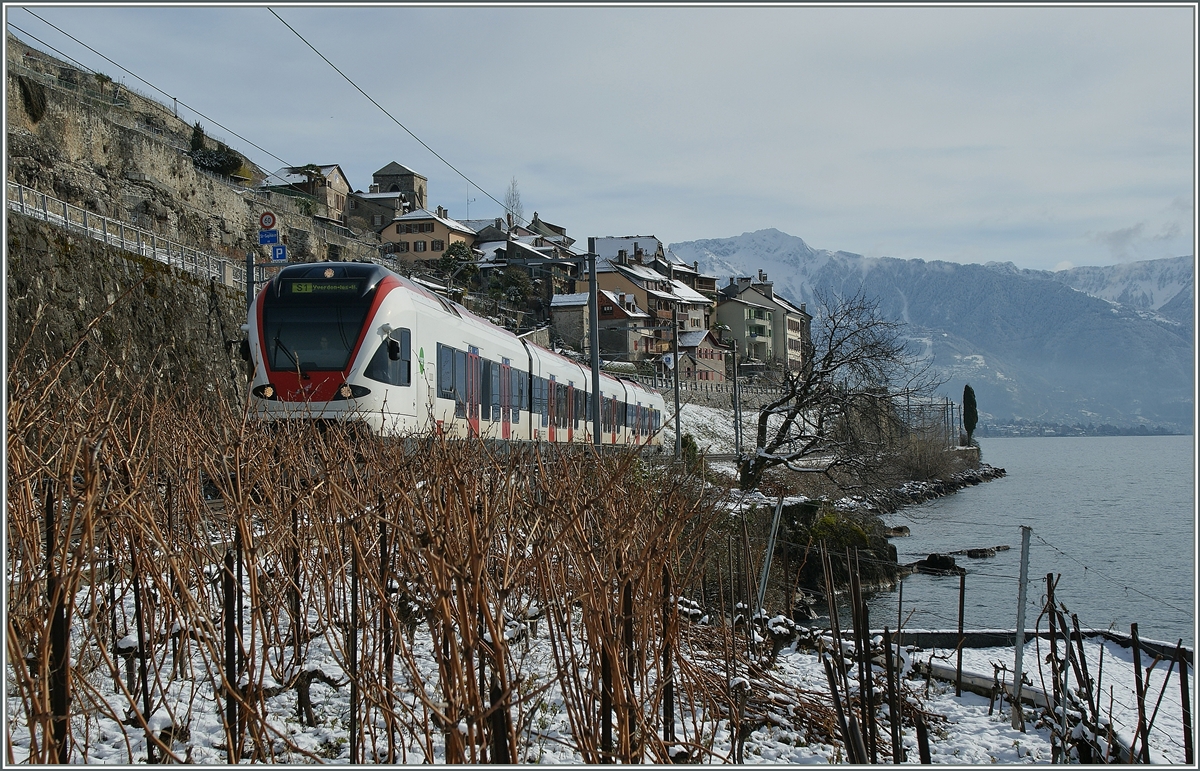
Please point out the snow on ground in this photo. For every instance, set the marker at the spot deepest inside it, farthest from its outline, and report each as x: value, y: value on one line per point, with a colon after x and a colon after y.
x: 962, y: 731
x: 1115, y: 680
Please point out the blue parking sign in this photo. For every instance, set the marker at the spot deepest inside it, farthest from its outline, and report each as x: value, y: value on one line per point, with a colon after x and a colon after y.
x: 279, y: 253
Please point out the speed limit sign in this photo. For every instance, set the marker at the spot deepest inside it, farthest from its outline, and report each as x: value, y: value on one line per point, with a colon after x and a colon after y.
x: 266, y: 220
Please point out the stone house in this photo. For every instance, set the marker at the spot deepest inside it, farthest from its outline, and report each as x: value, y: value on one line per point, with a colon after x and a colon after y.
x: 372, y: 212
x: 395, y: 178
x: 327, y: 184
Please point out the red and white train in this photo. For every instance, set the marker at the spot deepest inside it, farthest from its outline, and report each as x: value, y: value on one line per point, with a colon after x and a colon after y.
x: 354, y: 341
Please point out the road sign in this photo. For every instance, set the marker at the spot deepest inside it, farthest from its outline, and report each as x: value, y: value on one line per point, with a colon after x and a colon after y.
x: 279, y: 253
x: 266, y: 220
x: 268, y: 237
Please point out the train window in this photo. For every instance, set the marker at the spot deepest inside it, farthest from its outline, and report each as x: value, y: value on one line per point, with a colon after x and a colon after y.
x: 392, y: 371
x: 312, y: 337
x: 460, y: 384
x: 445, y: 371
x: 495, y: 380
x: 516, y: 380
x: 544, y: 385
x: 485, y: 399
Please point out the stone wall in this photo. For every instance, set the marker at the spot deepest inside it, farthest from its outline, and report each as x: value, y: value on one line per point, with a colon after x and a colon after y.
x: 114, y: 152
x: 164, y: 326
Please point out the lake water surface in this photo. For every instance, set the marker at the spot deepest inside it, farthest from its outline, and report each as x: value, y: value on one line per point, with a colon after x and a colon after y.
x: 1115, y: 516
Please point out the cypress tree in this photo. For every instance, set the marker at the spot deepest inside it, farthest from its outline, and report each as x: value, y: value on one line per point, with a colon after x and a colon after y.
x: 970, y: 413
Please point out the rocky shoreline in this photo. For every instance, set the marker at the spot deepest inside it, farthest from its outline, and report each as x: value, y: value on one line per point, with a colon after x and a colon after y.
x: 891, y: 500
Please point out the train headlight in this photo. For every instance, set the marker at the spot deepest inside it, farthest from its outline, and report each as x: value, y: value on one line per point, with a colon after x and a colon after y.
x: 266, y: 391
x: 349, y: 391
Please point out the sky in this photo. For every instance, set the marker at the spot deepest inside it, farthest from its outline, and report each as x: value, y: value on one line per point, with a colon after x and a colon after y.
x: 1046, y: 136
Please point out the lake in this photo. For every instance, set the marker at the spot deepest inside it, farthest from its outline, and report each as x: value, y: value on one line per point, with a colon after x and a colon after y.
x: 1115, y: 516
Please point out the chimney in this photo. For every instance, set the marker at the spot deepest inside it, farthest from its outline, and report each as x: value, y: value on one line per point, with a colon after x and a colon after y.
x: 373, y: 187
x: 761, y: 276
x: 743, y: 282
x: 622, y: 256
x: 696, y: 265
x: 499, y: 223
x: 621, y: 297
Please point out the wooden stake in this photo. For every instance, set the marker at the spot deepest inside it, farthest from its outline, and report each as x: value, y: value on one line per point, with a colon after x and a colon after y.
x: 1186, y: 701
x: 1143, y: 730
x: 893, y: 698
x: 962, y: 598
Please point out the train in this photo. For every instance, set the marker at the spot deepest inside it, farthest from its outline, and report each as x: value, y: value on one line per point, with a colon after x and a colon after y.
x: 356, y: 342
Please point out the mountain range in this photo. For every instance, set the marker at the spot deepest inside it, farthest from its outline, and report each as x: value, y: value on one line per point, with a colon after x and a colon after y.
x: 1088, y: 345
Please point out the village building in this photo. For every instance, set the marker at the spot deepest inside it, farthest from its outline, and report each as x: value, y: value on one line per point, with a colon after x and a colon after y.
x: 395, y: 178
x: 750, y: 327
x: 421, y: 236
x: 326, y: 184
x: 659, y: 295
x: 707, y: 356
x: 789, y: 336
x: 623, y: 328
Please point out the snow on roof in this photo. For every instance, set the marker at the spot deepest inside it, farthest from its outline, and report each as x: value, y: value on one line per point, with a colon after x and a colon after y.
x: 425, y: 214
x: 489, y: 249
x: 608, y: 246
x: 687, y: 294
x: 740, y: 301
x: 632, y: 309
x: 692, y: 339
x: 394, y: 168
x: 569, y: 300
x: 377, y: 196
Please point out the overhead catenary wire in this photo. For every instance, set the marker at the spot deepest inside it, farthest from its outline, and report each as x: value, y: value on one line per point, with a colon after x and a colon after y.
x: 393, y: 118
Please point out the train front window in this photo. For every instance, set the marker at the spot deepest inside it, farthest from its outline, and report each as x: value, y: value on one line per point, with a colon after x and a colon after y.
x: 311, y: 337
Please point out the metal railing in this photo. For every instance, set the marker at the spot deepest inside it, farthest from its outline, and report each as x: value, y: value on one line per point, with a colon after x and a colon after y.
x: 126, y: 236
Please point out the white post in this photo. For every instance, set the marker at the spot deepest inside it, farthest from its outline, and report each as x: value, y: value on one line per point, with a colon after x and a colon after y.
x: 766, y: 571
x: 1018, y: 716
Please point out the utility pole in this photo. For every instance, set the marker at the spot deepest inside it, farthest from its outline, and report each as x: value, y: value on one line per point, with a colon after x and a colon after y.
x: 1018, y: 716
x: 675, y: 363
x: 594, y: 341
x: 737, y: 406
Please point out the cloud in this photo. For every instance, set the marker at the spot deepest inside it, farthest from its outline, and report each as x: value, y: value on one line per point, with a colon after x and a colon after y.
x: 1119, y: 242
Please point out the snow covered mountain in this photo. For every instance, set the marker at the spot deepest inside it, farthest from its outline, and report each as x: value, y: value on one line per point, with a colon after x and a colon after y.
x: 1088, y: 345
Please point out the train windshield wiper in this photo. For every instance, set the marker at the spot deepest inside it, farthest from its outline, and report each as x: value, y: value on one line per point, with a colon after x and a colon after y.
x: 279, y: 345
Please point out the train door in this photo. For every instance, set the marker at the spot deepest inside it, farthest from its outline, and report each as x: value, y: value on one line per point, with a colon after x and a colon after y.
x: 506, y: 399
x: 570, y: 412
x: 552, y: 404
x: 474, y: 367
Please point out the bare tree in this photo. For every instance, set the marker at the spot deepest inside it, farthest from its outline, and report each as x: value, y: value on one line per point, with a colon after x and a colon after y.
x: 512, y: 202
x: 837, y: 412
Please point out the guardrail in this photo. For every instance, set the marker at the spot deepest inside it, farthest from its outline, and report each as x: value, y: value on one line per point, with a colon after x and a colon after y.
x: 123, y: 235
